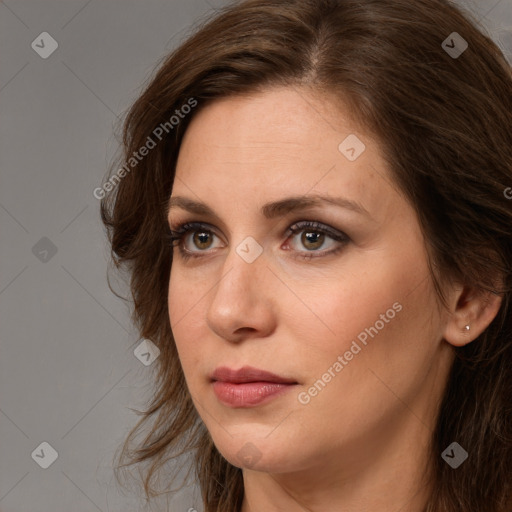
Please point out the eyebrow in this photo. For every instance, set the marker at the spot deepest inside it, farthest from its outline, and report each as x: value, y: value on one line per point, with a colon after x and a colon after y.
x: 276, y: 208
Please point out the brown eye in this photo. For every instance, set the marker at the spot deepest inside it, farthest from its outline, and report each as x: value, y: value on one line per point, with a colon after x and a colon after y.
x: 312, y: 240
x: 202, y: 239
x: 194, y: 239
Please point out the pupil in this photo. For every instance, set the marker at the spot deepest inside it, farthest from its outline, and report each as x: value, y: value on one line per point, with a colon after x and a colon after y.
x: 316, y: 239
x: 202, y: 238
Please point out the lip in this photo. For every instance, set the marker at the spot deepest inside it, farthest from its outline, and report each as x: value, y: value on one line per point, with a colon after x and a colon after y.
x: 247, y: 374
x: 248, y: 386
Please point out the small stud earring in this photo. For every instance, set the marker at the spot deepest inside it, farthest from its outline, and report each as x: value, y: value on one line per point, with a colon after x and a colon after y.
x: 466, y: 327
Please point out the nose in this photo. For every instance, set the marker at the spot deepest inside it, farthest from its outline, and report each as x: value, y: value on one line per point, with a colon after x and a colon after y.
x: 241, y: 302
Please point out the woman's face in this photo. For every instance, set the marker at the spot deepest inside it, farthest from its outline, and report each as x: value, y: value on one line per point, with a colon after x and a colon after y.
x: 343, y: 311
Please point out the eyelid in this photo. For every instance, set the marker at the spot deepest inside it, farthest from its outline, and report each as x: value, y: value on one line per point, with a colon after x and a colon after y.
x: 183, y: 227
x: 303, y: 225
x: 178, y: 231
x: 339, y: 237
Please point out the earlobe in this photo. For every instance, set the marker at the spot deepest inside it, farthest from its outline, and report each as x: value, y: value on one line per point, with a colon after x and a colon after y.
x: 472, y: 314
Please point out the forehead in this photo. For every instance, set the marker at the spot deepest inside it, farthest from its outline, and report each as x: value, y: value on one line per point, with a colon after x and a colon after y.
x: 282, y: 140
x: 279, y: 118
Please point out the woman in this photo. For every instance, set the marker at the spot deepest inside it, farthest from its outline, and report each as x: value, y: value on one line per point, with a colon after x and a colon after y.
x: 314, y: 208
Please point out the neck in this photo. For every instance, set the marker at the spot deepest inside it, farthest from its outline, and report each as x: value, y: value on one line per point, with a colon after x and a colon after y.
x: 387, y: 474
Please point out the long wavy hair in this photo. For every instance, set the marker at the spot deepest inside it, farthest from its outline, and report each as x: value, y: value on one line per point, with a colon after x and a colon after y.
x: 445, y: 125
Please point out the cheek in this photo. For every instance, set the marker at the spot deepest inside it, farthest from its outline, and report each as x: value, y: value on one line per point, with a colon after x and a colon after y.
x: 378, y: 317
x: 175, y: 302
x: 341, y: 306
x: 383, y: 331
x: 383, y: 364
x: 184, y: 304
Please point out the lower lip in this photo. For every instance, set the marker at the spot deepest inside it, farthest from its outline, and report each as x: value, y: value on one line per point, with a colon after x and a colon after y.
x: 248, y: 394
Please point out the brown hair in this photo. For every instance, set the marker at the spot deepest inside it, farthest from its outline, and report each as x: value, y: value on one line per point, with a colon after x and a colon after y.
x: 445, y: 125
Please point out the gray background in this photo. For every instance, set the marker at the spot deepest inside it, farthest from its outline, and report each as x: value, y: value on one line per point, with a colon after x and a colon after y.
x: 67, y: 369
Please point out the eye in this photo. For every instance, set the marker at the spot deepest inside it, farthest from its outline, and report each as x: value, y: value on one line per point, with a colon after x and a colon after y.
x: 315, y: 236
x: 191, y: 236
x: 195, y: 239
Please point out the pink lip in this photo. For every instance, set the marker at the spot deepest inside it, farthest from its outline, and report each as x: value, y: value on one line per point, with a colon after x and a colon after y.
x: 248, y: 386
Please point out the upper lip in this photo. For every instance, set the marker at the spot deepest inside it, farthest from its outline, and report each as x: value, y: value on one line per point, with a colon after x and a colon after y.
x: 247, y: 374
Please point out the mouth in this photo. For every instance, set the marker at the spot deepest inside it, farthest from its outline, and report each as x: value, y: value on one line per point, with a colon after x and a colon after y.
x: 248, y: 386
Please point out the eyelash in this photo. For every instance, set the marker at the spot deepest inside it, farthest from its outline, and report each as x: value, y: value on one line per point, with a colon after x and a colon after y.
x: 176, y: 237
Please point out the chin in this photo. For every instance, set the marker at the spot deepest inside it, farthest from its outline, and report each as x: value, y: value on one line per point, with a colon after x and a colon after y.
x: 257, y: 453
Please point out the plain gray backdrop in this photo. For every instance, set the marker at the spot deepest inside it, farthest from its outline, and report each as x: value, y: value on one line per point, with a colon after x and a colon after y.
x: 68, y: 373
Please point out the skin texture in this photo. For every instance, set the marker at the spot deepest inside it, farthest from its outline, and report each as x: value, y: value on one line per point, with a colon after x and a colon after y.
x: 361, y: 443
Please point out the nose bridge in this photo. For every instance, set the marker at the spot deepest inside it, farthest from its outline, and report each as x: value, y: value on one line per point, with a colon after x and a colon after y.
x: 240, y: 299
x: 245, y: 265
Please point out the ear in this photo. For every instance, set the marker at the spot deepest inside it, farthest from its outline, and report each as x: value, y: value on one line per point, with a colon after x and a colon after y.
x: 473, y: 308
